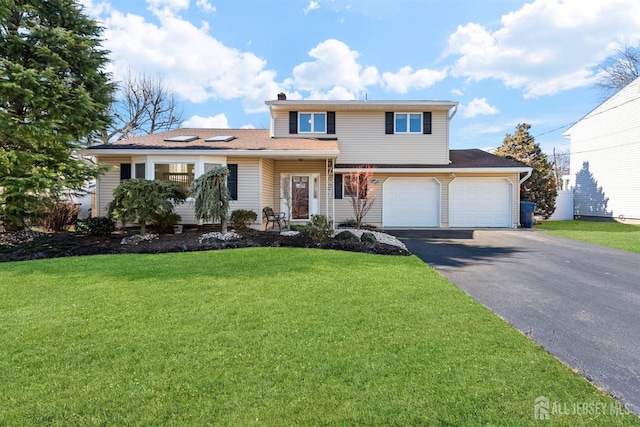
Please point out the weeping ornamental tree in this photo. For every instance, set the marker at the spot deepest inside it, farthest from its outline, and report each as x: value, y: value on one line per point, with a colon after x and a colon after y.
x: 212, y: 196
x: 54, y: 93
x: 541, y: 186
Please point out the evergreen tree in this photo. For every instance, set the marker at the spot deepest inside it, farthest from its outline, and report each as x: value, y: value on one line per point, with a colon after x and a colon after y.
x: 139, y: 200
x: 541, y: 187
x: 54, y: 93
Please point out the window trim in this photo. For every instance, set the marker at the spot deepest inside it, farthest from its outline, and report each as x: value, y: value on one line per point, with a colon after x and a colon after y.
x: 312, y: 120
x: 408, y: 117
x: 346, y: 194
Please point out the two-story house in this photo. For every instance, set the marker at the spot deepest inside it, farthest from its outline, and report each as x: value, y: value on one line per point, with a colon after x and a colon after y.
x: 298, y: 165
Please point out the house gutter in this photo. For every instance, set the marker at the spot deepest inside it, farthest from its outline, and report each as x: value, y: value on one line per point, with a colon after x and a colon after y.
x: 444, y: 170
x: 321, y: 154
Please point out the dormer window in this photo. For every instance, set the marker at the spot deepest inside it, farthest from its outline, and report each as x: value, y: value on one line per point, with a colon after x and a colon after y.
x: 312, y: 123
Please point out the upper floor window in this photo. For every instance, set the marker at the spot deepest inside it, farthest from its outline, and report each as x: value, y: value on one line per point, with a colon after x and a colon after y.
x: 408, y: 123
x: 313, y: 123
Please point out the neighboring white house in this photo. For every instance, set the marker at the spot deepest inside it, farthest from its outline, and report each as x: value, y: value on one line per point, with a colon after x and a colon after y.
x: 299, y: 165
x: 605, y: 157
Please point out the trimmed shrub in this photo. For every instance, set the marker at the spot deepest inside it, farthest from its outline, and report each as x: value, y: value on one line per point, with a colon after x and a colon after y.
x: 163, y: 222
x: 97, y: 226
x: 320, y: 228
x: 348, y: 223
x: 242, y: 218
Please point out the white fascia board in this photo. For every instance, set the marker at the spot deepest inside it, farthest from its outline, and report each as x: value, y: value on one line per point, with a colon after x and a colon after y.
x: 441, y: 170
x: 234, y: 153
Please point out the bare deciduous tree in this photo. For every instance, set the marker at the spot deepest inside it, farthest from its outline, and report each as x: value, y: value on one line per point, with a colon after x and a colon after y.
x: 362, y: 191
x: 619, y: 69
x: 143, y: 105
x: 560, y: 165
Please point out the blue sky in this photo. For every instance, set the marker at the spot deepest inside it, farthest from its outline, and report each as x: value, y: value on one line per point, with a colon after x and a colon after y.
x: 504, y: 61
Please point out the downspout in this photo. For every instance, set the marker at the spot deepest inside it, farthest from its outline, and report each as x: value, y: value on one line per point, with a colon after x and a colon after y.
x: 455, y: 110
x: 450, y: 116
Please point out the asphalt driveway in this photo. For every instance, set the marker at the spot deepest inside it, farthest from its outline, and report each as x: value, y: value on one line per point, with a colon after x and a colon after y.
x: 579, y: 301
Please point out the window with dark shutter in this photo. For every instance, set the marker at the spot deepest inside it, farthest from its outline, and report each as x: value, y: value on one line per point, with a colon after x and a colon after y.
x: 125, y: 171
x: 337, y: 186
x: 141, y: 170
x: 331, y: 122
x: 232, y: 181
x: 388, y: 123
x: 426, y: 122
x: 293, y: 122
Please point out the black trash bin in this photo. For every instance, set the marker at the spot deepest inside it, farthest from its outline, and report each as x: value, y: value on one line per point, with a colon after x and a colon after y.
x: 526, y: 214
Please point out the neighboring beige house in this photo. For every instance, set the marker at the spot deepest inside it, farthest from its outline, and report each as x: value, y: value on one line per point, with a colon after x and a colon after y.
x: 298, y: 165
x: 605, y: 153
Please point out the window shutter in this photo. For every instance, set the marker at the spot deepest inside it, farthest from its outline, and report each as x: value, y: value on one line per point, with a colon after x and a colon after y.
x: 426, y: 122
x: 293, y: 122
x: 388, y: 123
x: 331, y: 122
x: 337, y: 186
x: 141, y: 172
x: 232, y: 181
x: 125, y: 171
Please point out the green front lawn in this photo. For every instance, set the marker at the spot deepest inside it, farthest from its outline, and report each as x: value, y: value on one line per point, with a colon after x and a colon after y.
x: 612, y: 234
x: 268, y: 336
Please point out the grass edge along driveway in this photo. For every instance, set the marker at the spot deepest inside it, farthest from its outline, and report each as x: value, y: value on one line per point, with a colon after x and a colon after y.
x: 269, y: 336
x: 614, y: 235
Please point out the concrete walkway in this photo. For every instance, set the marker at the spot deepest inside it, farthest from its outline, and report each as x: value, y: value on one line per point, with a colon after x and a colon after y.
x: 580, y: 302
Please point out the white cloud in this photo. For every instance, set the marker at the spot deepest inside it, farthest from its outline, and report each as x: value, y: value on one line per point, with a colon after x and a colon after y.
x: 479, y: 106
x: 335, y: 73
x: 406, y: 79
x: 218, y: 121
x: 196, y: 65
x: 206, y: 6
x: 457, y: 92
x: 168, y: 6
x: 93, y: 8
x: 313, y: 5
x: 547, y: 46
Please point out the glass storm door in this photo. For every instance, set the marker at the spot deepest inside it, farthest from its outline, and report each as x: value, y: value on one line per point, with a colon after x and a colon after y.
x: 299, y: 197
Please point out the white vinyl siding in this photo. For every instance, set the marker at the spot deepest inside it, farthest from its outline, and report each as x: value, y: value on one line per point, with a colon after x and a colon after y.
x: 362, y: 139
x: 268, y: 185
x: 108, y: 182
x: 605, y: 153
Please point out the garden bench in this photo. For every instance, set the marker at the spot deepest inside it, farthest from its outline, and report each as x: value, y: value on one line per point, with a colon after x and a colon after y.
x: 274, y: 217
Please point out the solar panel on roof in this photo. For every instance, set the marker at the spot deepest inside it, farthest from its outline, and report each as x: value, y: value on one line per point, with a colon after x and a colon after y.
x: 220, y: 138
x: 181, y: 138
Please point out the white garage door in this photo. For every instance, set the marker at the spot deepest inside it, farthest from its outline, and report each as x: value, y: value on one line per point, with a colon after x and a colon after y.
x: 480, y: 203
x: 411, y: 202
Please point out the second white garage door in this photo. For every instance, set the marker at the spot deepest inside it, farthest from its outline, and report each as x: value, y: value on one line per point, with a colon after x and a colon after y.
x: 480, y: 202
x: 411, y: 202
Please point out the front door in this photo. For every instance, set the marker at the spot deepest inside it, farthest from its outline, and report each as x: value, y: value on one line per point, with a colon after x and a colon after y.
x: 300, y: 197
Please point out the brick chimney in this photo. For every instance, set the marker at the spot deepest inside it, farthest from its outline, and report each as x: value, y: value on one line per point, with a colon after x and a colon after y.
x: 282, y: 96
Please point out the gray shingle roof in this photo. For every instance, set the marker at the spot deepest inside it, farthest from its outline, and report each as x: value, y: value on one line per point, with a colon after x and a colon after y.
x: 245, y: 139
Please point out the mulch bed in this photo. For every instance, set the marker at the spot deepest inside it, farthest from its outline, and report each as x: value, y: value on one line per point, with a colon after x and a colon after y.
x: 67, y: 244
